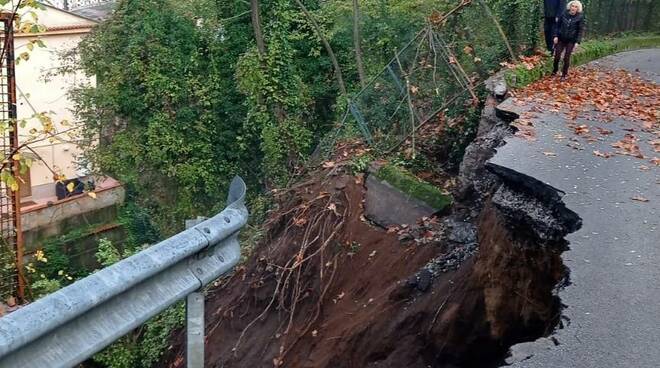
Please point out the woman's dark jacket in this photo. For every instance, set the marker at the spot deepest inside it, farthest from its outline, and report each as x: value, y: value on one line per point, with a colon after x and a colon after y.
x: 570, y: 28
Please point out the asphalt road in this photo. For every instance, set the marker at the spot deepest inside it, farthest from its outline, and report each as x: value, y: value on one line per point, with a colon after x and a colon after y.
x: 613, y: 302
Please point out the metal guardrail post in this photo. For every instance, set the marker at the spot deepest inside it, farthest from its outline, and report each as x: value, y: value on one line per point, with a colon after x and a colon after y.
x: 195, y: 336
x: 67, y: 327
x: 195, y: 330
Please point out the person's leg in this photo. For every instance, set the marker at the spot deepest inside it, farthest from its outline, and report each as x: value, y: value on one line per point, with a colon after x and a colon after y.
x: 548, y: 27
x: 559, y: 47
x: 567, y: 59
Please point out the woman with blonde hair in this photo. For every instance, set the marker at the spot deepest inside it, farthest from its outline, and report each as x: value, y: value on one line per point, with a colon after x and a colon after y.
x: 568, y: 34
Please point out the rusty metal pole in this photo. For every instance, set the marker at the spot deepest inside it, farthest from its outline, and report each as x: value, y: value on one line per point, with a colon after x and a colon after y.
x: 14, y: 144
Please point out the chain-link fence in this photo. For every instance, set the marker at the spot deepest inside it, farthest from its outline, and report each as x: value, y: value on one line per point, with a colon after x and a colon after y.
x: 417, y: 82
x: 442, y: 66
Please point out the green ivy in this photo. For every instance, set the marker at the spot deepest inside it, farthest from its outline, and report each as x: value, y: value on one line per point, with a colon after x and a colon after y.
x: 166, y: 107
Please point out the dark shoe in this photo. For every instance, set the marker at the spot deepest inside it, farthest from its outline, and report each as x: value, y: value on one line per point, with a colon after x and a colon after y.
x: 554, y: 74
x: 563, y: 78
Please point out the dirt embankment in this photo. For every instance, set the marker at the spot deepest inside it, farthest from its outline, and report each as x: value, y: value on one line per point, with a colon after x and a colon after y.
x: 327, y: 289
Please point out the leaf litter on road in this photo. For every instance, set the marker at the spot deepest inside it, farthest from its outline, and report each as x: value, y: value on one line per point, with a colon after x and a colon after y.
x: 598, y: 95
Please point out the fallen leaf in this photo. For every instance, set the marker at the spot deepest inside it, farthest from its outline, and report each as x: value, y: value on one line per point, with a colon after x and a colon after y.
x: 582, y: 129
x: 333, y: 207
x: 550, y: 154
x: 639, y: 199
x: 392, y: 229
x: 428, y: 234
x: 329, y: 164
x: 601, y: 154
x: 628, y: 146
x: 604, y: 131
x: 656, y: 145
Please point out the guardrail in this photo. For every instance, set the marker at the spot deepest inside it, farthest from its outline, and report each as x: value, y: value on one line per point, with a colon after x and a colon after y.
x: 67, y: 327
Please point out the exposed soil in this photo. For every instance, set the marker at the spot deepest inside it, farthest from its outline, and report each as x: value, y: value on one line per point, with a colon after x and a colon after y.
x: 328, y: 289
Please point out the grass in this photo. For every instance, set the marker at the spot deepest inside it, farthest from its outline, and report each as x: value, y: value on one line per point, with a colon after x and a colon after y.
x: 590, y: 50
x: 414, y: 187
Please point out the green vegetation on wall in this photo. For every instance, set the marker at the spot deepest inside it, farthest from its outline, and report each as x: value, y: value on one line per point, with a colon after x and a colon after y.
x: 414, y: 187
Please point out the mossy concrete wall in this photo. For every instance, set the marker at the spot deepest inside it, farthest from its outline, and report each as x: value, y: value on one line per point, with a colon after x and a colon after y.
x: 61, y: 217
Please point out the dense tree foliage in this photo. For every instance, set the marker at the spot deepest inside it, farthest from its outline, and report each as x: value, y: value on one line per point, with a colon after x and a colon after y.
x: 166, y: 106
x: 186, y: 99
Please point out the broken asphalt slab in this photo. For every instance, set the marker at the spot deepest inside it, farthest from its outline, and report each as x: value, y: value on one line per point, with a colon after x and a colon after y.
x: 612, y: 314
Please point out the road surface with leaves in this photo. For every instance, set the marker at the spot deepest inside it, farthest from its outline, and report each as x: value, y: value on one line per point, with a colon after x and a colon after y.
x: 595, y: 138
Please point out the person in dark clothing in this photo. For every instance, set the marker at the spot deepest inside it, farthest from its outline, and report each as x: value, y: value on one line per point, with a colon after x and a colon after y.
x: 552, y: 9
x: 567, y: 35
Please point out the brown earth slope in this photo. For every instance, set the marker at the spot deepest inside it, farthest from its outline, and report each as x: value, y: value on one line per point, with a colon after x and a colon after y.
x: 328, y: 289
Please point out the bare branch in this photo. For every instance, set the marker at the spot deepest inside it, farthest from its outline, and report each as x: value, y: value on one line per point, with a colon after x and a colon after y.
x: 357, y: 41
x: 256, y: 26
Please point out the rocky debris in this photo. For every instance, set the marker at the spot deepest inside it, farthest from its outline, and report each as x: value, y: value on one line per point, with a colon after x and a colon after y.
x: 460, y: 237
x: 500, y: 90
x: 427, y: 231
x: 474, y: 181
x: 451, y: 260
x: 460, y: 231
x: 422, y: 280
x: 432, y: 231
x: 497, y: 85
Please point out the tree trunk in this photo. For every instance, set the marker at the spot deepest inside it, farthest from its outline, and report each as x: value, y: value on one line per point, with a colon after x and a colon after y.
x: 256, y: 26
x: 328, y: 49
x: 357, y: 41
